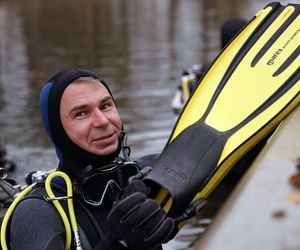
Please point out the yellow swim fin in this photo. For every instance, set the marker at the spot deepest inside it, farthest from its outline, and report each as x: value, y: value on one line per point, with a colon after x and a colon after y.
x: 249, y: 89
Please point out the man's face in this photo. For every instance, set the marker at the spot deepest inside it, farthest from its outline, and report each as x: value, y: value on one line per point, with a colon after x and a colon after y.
x: 90, y: 118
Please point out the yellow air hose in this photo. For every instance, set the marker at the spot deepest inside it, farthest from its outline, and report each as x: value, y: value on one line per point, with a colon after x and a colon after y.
x: 9, y: 213
x: 55, y: 200
x: 61, y: 210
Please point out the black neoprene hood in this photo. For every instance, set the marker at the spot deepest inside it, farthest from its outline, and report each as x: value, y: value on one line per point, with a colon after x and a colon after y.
x: 68, y: 152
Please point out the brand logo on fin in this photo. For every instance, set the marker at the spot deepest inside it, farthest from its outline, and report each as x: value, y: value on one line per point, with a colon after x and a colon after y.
x: 179, y: 176
x: 273, y: 58
x: 279, y: 51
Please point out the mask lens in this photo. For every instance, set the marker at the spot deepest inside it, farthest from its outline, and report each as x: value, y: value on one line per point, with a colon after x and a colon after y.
x: 101, y: 185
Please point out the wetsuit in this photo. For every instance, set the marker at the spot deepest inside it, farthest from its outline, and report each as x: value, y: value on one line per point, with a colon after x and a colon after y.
x: 46, y: 230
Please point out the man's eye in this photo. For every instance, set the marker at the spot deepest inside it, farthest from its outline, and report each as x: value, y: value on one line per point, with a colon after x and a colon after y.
x: 105, y: 106
x: 80, y: 114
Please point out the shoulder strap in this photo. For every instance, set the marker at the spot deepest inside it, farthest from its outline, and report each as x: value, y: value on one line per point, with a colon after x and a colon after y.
x: 86, y: 221
x: 88, y: 225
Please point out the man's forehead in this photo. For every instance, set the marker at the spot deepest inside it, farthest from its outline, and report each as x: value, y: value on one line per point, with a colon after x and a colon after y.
x: 88, y: 80
x: 84, y: 92
x: 71, y: 102
x: 87, y: 84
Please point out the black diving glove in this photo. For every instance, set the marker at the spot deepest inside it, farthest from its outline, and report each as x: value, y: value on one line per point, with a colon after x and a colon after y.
x: 139, y: 222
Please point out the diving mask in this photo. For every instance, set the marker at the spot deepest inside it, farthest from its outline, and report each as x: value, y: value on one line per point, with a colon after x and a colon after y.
x: 105, y: 183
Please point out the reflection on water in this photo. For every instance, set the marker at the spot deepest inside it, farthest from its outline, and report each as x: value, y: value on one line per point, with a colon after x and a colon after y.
x: 140, y: 47
x: 15, y: 91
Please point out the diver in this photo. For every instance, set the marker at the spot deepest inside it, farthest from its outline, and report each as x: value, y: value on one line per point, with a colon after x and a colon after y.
x: 6, y: 164
x: 190, y: 77
x: 111, y: 203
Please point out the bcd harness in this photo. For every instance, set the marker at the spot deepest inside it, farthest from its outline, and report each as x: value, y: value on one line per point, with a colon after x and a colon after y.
x: 41, y: 186
x: 69, y: 221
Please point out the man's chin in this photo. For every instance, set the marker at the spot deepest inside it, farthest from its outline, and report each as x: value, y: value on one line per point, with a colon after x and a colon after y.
x: 104, y: 152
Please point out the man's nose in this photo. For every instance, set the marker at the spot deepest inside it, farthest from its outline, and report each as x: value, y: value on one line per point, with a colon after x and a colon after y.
x: 99, y: 119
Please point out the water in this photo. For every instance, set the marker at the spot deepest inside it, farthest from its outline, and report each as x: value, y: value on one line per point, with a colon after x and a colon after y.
x: 139, y: 46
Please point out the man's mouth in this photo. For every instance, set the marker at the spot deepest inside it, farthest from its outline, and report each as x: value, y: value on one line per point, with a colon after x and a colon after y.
x: 103, y: 138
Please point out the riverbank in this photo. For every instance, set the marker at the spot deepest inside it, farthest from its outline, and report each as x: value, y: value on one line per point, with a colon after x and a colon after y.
x: 263, y: 210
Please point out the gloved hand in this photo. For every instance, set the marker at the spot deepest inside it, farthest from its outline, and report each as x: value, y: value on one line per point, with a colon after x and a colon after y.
x: 139, y: 222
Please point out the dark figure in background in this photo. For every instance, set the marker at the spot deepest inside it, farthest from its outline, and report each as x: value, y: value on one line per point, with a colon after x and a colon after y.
x: 229, y: 29
x: 6, y: 164
x: 190, y: 77
x: 81, y: 119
